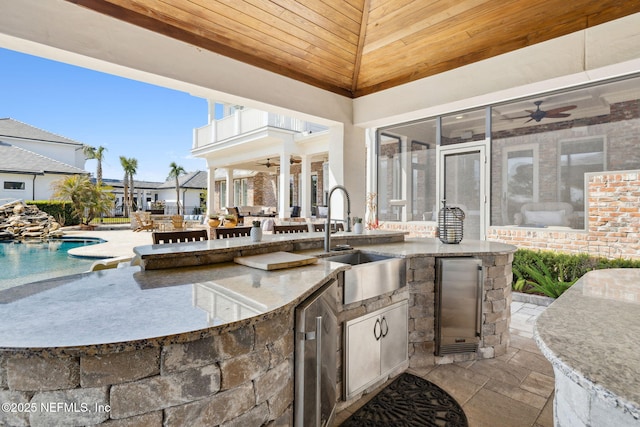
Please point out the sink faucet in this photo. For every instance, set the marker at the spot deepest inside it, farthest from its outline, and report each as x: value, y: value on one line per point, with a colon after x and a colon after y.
x: 327, y: 227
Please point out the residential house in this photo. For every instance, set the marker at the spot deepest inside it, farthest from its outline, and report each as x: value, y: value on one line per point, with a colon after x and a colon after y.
x: 267, y: 160
x: 193, y: 186
x: 32, y: 159
x: 161, y: 196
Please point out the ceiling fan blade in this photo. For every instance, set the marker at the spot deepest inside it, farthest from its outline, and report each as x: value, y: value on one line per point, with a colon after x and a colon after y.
x: 517, y: 117
x: 560, y: 110
x: 557, y: 115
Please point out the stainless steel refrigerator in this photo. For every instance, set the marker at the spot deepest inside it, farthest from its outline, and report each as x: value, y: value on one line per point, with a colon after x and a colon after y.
x: 458, y: 305
x: 315, y: 358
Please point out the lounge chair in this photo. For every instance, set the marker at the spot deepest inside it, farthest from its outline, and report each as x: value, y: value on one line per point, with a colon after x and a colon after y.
x: 143, y: 222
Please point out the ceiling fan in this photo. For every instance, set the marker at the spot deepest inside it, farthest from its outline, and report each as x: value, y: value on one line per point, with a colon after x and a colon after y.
x: 538, y: 114
x: 293, y: 160
x: 268, y: 163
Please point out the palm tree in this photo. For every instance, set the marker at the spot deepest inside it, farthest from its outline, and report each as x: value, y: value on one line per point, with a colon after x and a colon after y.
x: 130, y: 166
x: 133, y: 169
x: 174, y: 172
x: 88, y: 200
x: 98, y: 154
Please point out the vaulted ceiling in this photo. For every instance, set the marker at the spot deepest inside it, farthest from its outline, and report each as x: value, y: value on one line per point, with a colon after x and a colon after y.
x: 358, y: 47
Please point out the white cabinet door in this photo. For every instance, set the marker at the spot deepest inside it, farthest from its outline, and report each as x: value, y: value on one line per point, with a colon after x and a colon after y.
x: 374, y: 345
x: 362, y: 352
x: 395, y: 337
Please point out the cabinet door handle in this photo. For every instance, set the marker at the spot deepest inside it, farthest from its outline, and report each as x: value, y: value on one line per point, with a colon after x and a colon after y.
x: 375, y: 329
x: 386, y: 327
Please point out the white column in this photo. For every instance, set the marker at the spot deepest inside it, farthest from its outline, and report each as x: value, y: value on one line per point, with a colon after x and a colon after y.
x: 211, y: 188
x: 284, y: 210
x: 347, y: 145
x: 305, y: 186
x: 229, y: 199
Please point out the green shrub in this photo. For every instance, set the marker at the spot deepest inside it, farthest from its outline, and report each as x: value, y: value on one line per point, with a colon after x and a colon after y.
x: 62, y: 211
x: 548, y: 272
x: 542, y: 279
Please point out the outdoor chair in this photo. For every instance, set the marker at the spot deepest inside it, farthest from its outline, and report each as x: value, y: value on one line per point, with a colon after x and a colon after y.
x: 177, y: 221
x: 143, y: 222
x: 161, y: 237
x: 281, y: 229
x: 334, y: 227
x: 224, y: 232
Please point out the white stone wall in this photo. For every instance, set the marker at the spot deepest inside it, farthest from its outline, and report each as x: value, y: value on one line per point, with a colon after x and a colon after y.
x: 579, y: 405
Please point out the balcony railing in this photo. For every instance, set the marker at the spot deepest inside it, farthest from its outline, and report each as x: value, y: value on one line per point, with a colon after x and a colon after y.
x: 247, y: 120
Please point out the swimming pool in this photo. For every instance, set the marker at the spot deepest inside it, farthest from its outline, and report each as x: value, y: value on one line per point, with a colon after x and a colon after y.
x: 27, y: 262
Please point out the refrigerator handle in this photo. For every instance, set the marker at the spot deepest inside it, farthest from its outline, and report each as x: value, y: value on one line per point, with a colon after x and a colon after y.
x: 318, y: 369
x: 479, y: 298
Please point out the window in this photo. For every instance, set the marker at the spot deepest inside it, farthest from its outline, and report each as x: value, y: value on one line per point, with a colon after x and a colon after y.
x: 222, y: 202
x: 407, y: 172
x: 314, y: 191
x: 14, y: 185
x: 578, y: 157
x: 240, y: 190
x: 519, y: 179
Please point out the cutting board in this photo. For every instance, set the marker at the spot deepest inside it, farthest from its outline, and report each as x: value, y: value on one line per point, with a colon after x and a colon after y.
x: 275, y: 260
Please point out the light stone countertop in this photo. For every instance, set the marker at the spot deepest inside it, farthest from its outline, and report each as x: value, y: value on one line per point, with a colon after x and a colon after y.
x: 125, y: 309
x: 128, y: 308
x: 382, y: 242
x: 592, y: 335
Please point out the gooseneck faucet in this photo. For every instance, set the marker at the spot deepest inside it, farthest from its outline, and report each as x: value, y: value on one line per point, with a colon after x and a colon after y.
x: 327, y: 227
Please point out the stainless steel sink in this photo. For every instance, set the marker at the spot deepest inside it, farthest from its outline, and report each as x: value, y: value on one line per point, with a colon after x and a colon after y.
x: 370, y: 275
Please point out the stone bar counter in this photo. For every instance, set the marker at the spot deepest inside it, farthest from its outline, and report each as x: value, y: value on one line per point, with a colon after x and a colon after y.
x: 192, y: 338
x: 591, y: 334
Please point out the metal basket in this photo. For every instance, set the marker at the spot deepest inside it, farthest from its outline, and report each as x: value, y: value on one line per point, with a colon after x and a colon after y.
x: 450, y: 224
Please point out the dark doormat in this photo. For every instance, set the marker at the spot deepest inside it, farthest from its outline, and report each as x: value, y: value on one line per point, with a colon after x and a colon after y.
x: 409, y: 401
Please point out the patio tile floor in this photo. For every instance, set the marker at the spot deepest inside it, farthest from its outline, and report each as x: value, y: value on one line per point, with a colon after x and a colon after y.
x: 513, y: 390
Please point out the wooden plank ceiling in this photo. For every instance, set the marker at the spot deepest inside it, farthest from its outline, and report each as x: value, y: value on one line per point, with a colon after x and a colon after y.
x: 357, y: 47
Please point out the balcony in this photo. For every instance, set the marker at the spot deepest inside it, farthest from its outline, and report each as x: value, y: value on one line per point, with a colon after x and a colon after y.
x: 247, y: 120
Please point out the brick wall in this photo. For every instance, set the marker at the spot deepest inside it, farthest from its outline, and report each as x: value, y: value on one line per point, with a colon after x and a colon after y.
x: 613, y: 229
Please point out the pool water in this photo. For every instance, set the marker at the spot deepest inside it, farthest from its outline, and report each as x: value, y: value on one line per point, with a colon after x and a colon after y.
x: 22, y: 263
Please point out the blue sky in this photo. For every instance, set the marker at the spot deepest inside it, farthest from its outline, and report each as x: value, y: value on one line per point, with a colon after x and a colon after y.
x: 132, y: 119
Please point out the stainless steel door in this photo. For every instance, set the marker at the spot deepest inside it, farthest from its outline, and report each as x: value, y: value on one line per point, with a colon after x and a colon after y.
x: 315, y: 358
x: 459, y: 314
x: 394, y: 342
